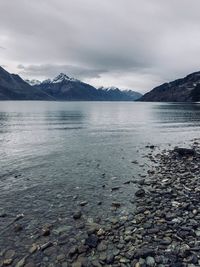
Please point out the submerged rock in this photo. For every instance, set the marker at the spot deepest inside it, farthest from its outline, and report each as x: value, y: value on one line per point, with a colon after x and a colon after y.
x: 185, y: 151
x: 77, y: 215
x: 92, y: 241
x: 140, y: 193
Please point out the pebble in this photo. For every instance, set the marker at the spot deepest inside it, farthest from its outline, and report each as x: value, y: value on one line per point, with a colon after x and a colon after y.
x: 150, y: 261
x: 116, y: 204
x: 92, y: 241
x: 20, y: 263
x: 140, y: 193
x: 77, y: 215
x: 161, y: 230
x: 83, y: 203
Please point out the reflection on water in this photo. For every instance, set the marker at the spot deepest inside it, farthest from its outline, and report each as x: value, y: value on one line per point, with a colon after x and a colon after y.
x: 70, y: 145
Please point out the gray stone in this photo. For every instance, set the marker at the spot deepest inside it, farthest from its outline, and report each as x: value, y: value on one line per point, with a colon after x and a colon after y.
x: 150, y: 261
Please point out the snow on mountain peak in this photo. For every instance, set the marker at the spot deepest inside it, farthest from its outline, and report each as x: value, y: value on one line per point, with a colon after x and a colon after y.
x: 33, y: 82
x: 46, y: 81
x: 111, y: 88
x: 63, y: 77
x: 60, y: 78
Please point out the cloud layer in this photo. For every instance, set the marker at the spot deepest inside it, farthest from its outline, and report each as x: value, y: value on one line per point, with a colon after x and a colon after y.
x: 125, y: 43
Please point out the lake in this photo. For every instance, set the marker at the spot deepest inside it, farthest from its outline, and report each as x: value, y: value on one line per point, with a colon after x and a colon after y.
x: 56, y: 154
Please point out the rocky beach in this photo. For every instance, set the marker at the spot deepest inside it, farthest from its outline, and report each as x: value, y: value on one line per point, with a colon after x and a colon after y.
x: 161, y: 229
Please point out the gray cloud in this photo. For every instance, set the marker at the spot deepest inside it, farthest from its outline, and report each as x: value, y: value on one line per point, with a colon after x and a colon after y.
x: 125, y: 43
x: 48, y: 70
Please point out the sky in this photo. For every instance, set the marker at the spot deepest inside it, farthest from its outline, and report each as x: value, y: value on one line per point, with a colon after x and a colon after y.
x: 124, y: 43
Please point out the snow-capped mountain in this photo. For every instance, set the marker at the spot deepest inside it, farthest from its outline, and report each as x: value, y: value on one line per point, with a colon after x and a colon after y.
x: 119, y: 94
x: 33, y: 82
x: 63, y: 87
x: 60, y: 79
x: 63, y: 77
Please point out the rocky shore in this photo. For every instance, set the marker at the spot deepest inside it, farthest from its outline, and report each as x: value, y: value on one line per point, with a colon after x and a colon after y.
x: 162, y: 229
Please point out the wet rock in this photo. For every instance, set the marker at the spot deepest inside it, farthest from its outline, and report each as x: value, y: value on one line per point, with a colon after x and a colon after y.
x: 60, y: 257
x: 116, y: 204
x: 96, y: 263
x: 197, y: 232
x: 9, y: 254
x: 83, y: 203
x: 127, y: 182
x: 73, y: 250
x: 33, y: 248
x: 21, y: 263
x: 7, y: 262
x: 30, y: 264
x: 144, y: 252
x: 150, y: 261
x: 92, y: 241
x: 109, y: 258
x: 184, y: 250
x: 100, y: 232
x: 45, y: 231
x: 140, y: 193
x: 80, y: 225
x: 102, y: 246
x: 3, y: 215
x: 77, y: 264
x: 102, y: 256
x: 115, y: 188
x: 62, y: 229
x: 46, y: 245
x: 184, y: 151
x: 77, y: 215
x: 18, y: 228
x: 18, y: 217
x: 82, y: 248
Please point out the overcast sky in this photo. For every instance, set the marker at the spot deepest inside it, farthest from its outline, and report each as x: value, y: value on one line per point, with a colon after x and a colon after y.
x: 124, y: 43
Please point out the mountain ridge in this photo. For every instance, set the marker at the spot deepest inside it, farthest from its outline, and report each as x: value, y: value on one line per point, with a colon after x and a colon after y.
x: 180, y: 90
x: 65, y: 88
x: 13, y: 87
x: 61, y: 88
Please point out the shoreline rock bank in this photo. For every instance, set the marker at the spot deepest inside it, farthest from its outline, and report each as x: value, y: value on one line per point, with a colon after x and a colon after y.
x: 162, y: 230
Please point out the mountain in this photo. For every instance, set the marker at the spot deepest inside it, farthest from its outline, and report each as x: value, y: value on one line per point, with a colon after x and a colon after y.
x: 64, y: 88
x: 61, y: 88
x: 182, y: 90
x: 115, y: 94
x: 13, y: 87
x: 33, y: 82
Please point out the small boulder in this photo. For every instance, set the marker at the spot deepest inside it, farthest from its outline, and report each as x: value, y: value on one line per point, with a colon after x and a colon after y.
x: 140, y: 193
x: 116, y: 204
x: 77, y: 215
x: 185, y: 151
x: 92, y: 241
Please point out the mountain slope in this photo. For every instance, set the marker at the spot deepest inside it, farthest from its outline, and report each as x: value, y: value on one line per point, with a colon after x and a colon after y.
x: 13, y: 87
x: 181, y: 90
x: 65, y: 88
x: 61, y: 88
x: 115, y: 94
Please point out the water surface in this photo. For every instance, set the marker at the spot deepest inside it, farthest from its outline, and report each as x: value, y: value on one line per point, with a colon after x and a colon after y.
x: 53, y: 152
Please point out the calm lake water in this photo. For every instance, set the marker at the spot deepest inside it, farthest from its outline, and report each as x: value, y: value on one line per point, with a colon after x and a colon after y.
x: 52, y: 152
